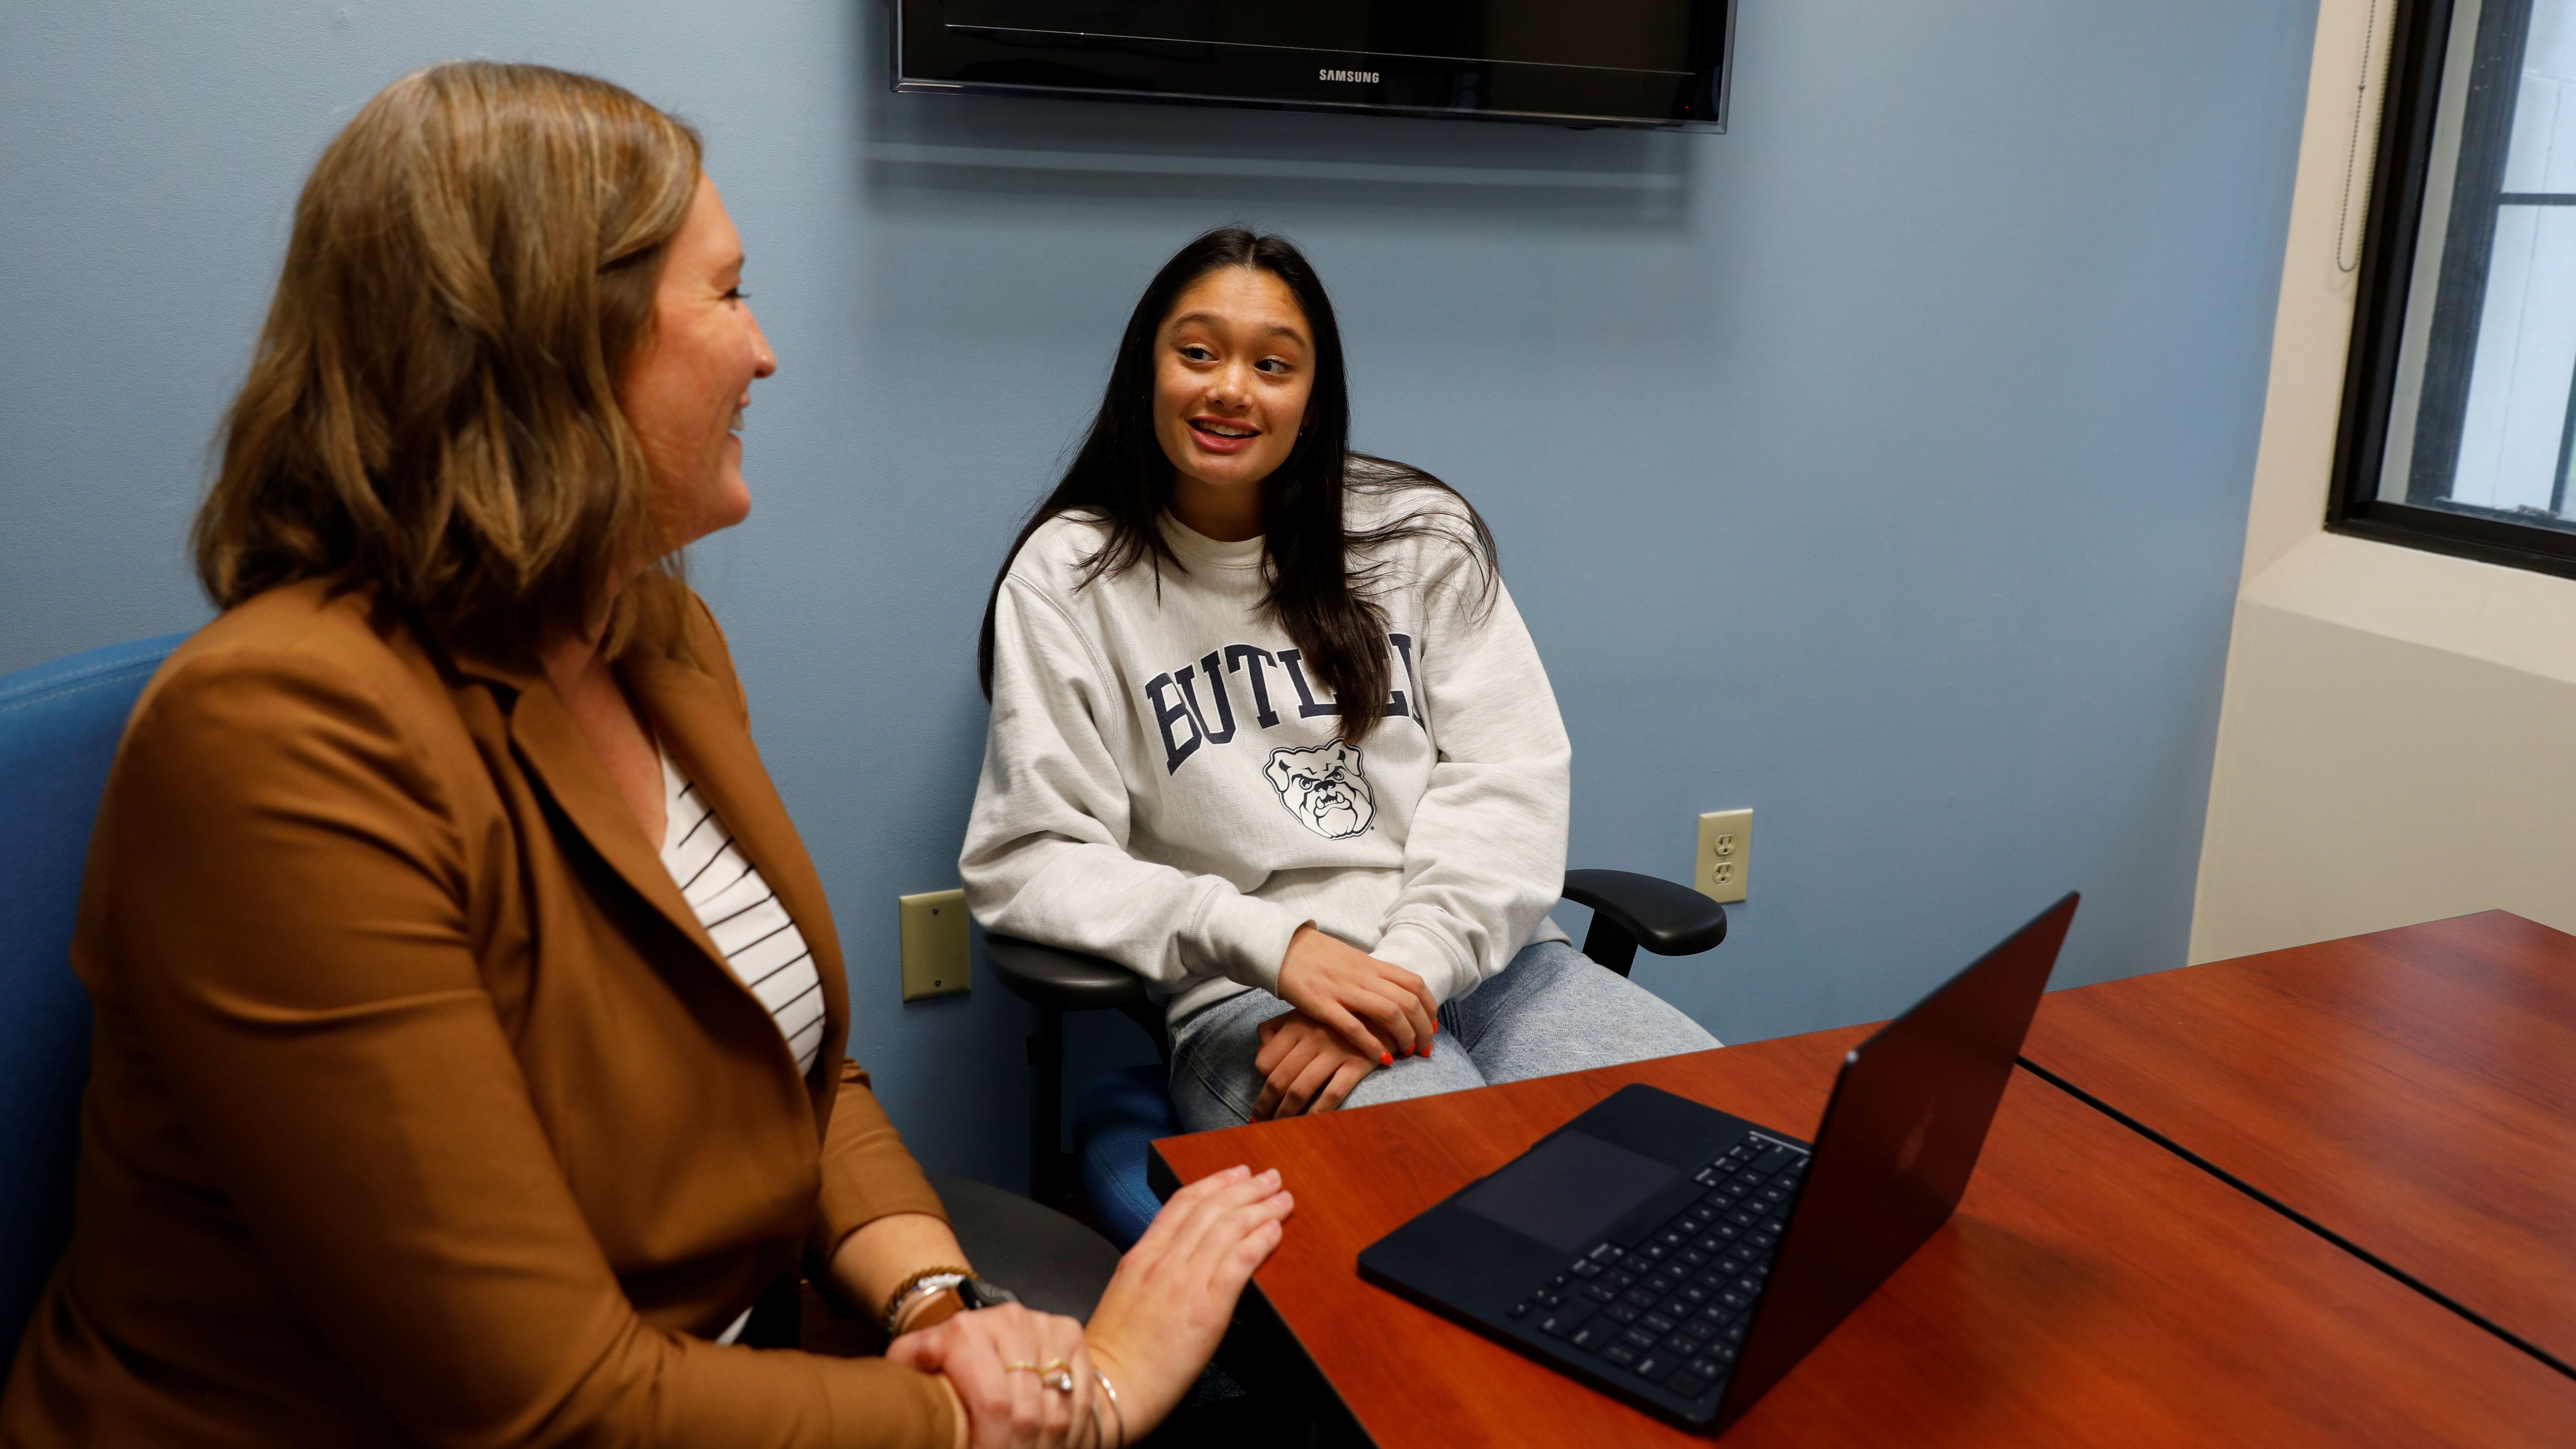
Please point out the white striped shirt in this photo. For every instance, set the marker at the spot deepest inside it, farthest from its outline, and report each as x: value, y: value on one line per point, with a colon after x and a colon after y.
x: 748, y: 922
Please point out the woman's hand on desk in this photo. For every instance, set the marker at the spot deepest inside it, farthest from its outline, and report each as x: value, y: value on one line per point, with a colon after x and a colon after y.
x: 1306, y: 1067
x: 1011, y: 1407
x: 1379, y: 1007
x: 1175, y: 1291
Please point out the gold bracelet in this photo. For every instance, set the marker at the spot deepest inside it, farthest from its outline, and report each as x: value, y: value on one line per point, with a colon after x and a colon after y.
x: 904, y: 1291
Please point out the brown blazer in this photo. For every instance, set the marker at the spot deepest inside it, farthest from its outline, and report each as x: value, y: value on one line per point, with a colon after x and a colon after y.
x: 421, y: 1109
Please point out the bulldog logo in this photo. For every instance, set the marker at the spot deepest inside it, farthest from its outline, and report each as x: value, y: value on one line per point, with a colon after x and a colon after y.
x: 1324, y: 788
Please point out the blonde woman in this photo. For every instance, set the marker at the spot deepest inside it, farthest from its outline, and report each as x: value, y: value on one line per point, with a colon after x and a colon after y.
x: 469, y: 1035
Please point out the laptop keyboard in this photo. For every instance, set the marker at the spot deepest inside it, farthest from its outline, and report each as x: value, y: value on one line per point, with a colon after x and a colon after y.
x: 1670, y: 1307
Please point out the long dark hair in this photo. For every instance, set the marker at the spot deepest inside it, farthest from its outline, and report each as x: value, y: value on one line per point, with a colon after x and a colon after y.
x: 1320, y: 573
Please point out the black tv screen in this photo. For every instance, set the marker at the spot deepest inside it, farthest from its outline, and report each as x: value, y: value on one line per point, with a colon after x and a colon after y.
x: 1657, y: 63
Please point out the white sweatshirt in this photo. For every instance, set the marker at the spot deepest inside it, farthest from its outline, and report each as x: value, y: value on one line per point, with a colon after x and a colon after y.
x: 1163, y: 784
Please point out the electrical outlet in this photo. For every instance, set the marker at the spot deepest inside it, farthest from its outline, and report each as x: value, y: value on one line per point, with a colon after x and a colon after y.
x: 1725, y: 843
x: 934, y: 944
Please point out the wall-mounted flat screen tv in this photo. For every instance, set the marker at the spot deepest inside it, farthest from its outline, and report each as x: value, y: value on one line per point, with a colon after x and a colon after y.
x: 1646, y: 63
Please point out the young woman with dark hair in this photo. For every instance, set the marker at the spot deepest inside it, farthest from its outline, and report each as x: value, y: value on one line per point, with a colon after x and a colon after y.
x: 1268, y: 731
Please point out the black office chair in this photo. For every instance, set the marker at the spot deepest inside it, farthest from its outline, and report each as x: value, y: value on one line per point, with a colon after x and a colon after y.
x: 1120, y: 1113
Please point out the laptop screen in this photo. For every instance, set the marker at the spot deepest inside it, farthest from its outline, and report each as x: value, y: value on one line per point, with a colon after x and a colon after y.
x: 1564, y: 1191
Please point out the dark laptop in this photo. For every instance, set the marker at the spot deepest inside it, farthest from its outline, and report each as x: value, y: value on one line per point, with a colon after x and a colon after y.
x: 1684, y: 1259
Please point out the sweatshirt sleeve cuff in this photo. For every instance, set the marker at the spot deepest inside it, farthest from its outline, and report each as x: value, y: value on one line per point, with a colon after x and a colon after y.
x: 1247, y: 938
x: 1426, y: 954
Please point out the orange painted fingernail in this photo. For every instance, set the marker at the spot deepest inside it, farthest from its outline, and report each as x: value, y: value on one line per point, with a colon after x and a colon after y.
x: 1386, y: 1059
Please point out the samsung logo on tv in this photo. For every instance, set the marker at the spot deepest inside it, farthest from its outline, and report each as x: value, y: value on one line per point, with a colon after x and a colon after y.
x: 1360, y: 77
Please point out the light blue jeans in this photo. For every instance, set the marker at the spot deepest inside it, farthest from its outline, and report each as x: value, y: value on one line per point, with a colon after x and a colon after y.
x: 1551, y: 1010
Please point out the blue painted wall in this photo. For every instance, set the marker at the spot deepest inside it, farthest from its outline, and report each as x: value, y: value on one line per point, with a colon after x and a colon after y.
x: 1881, y: 465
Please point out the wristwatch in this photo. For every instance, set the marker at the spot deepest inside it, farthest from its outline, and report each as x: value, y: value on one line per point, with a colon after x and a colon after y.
x: 979, y: 1294
x: 964, y: 1291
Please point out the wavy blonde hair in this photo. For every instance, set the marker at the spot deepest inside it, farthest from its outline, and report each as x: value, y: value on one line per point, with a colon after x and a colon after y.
x: 432, y: 414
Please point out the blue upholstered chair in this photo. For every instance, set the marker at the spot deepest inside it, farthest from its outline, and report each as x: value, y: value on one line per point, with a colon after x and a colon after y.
x: 59, y: 724
x: 1120, y: 1113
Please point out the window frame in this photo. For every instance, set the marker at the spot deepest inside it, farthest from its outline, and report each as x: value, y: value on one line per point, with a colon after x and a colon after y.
x: 2399, y: 181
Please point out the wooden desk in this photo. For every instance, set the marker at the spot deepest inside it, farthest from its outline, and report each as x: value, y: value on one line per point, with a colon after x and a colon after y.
x: 2412, y: 1091
x: 2094, y: 1289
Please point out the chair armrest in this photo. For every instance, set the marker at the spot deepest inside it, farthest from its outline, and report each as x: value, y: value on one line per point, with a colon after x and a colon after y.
x: 1067, y: 980
x: 1665, y: 918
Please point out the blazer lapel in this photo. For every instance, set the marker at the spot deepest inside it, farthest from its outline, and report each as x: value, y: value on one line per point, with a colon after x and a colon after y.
x: 551, y: 744
x: 704, y: 731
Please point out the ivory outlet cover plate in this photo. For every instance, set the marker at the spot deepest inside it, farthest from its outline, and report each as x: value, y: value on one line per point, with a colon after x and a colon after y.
x: 934, y: 944
x: 1725, y: 844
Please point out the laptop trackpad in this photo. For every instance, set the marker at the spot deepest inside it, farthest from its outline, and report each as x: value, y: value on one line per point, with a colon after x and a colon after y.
x: 1566, y: 1190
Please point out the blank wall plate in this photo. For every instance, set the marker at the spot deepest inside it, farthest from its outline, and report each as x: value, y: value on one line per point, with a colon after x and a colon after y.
x: 934, y: 944
x: 1725, y: 844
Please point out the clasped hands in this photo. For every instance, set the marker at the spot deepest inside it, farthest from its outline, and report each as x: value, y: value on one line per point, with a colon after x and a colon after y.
x: 1354, y: 1013
x: 1155, y: 1327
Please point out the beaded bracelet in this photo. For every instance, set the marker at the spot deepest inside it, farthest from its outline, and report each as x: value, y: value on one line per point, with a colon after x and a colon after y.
x: 919, y: 1285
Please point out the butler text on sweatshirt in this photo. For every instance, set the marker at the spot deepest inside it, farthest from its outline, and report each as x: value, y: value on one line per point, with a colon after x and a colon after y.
x: 1165, y: 783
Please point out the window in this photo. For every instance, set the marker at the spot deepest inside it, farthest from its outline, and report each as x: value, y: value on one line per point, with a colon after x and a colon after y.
x: 2459, y: 420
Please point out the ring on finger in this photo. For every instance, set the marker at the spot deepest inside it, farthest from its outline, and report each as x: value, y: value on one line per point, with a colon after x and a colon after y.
x: 1055, y: 1373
